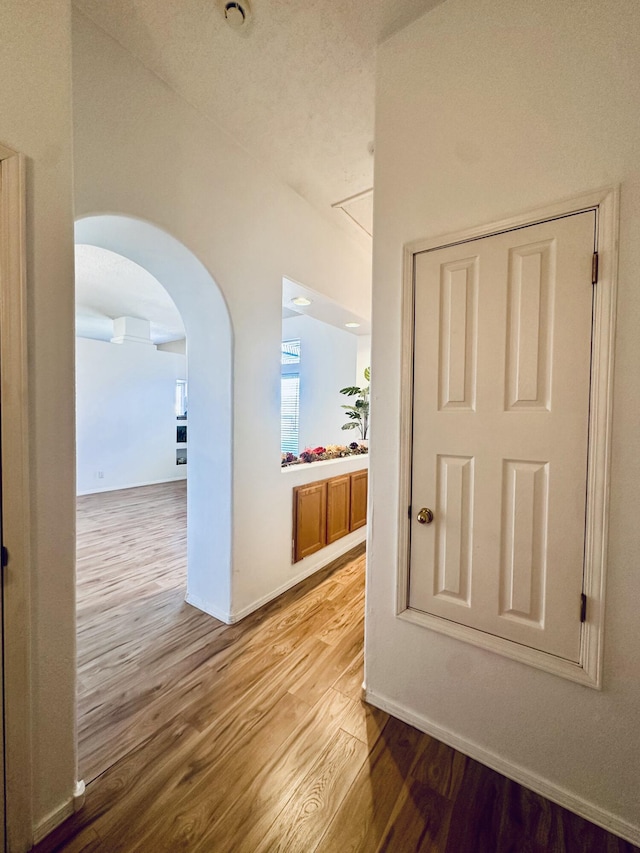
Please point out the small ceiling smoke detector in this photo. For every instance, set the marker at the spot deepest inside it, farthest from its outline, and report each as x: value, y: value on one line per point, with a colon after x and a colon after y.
x: 237, y: 14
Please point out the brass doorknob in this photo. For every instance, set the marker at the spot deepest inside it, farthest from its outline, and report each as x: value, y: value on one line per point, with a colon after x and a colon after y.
x: 425, y: 516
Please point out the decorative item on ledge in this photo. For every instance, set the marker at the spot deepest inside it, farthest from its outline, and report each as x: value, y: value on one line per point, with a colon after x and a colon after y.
x: 359, y: 414
x: 320, y: 454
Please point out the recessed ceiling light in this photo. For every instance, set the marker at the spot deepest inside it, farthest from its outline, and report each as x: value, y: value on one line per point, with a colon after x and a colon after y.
x: 301, y: 300
x: 352, y: 325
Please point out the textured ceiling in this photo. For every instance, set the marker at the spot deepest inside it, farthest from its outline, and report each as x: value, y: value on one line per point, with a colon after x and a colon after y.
x: 109, y: 286
x: 320, y: 308
x: 294, y: 87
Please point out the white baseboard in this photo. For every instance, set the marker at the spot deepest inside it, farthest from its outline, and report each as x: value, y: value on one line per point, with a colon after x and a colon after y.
x: 532, y: 781
x: 310, y: 569
x: 210, y: 609
x: 79, y: 795
x: 131, y: 486
x: 59, y: 815
x: 53, y: 820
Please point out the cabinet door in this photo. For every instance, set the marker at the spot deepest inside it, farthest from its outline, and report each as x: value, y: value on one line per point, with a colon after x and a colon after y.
x: 309, y: 519
x: 358, y: 512
x: 338, y: 507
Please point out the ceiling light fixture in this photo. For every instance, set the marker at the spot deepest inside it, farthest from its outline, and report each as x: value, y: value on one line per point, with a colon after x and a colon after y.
x: 301, y: 300
x: 352, y: 325
x: 237, y: 14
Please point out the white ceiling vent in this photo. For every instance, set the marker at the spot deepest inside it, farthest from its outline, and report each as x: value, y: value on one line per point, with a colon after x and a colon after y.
x: 237, y: 14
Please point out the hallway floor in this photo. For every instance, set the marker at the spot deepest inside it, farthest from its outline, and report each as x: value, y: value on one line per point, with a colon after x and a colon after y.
x: 253, y: 738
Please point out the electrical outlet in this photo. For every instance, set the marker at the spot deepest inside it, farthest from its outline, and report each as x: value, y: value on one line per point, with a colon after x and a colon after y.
x: 100, y: 475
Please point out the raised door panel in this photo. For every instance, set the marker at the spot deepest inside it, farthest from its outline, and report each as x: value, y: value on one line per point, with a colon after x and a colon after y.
x: 338, y: 507
x: 309, y: 519
x: 358, y: 514
x: 502, y: 357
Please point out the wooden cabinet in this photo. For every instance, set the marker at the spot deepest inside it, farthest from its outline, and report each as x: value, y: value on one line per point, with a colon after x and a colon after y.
x: 327, y: 510
x: 309, y: 519
x: 358, y: 509
x: 338, y: 507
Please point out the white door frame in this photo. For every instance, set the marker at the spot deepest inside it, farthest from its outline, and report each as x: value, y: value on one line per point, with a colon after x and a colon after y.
x: 16, y: 512
x: 588, y: 671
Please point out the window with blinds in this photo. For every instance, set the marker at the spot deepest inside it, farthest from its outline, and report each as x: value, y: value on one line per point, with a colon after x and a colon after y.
x: 291, y: 352
x: 290, y: 396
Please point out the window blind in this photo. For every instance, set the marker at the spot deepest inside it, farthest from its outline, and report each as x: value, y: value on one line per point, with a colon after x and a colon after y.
x: 290, y: 396
x: 289, y: 412
x: 291, y: 352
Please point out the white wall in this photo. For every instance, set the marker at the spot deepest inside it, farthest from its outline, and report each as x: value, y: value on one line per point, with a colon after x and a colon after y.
x: 364, y: 359
x: 485, y: 110
x: 35, y: 119
x: 142, y: 151
x: 327, y: 364
x: 125, y: 415
x: 174, y: 346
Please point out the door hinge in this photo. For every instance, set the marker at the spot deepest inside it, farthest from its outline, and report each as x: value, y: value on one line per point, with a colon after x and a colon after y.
x: 5, y: 556
x: 583, y: 607
x: 594, y: 268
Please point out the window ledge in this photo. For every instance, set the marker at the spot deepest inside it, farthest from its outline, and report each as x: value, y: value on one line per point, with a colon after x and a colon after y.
x: 362, y: 459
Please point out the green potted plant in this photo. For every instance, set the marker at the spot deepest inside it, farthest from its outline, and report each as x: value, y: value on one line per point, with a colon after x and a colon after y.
x: 358, y: 414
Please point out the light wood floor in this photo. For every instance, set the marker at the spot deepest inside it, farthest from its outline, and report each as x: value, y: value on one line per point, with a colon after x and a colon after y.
x: 253, y: 738
x: 136, y: 636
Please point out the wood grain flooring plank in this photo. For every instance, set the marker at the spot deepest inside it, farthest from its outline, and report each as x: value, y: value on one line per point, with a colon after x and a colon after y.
x: 232, y: 749
x: 364, y: 722
x: 440, y: 767
x: 351, y: 680
x: 202, y: 697
x: 336, y: 626
x: 87, y: 841
x: 247, y: 676
x: 578, y: 834
x: 329, y: 665
x: 210, y: 776
x: 354, y: 566
x: 300, y: 824
x: 360, y: 822
x: 477, y: 811
x: 109, y: 798
x: 251, y: 815
x: 527, y: 820
x: 419, y: 822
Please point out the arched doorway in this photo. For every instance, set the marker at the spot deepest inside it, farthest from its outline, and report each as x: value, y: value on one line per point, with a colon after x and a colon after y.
x: 127, y: 647
x: 209, y: 333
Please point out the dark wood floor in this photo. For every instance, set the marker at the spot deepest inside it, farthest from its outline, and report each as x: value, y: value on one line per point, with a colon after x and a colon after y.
x: 253, y: 738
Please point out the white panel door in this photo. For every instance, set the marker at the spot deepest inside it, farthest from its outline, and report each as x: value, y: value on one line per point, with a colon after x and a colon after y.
x: 500, y: 430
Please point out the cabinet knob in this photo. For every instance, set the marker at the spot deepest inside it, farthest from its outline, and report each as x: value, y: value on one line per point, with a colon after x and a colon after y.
x: 425, y: 516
